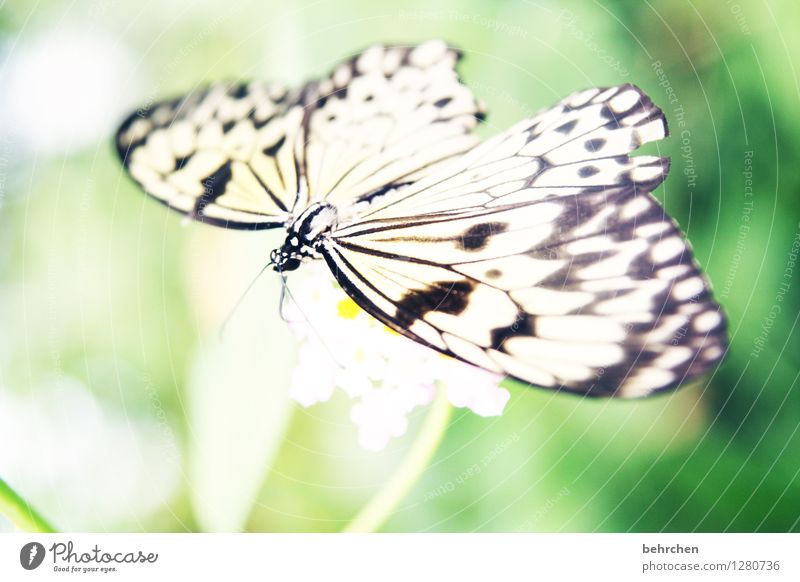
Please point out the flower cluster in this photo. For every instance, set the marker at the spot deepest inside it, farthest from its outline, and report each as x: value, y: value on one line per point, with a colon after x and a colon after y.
x: 386, y: 374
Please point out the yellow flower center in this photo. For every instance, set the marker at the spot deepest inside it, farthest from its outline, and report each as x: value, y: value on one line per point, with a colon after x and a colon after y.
x: 348, y: 309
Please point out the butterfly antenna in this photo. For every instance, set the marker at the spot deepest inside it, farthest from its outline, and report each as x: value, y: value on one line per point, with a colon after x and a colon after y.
x: 282, y: 301
x: 286, y: 292
x: 240, y: 300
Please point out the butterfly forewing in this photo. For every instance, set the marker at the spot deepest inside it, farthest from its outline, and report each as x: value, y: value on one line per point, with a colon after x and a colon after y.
x: 542, y: 255
x: 581, y: 144
x: 253, y: 155
x: 385, y: 118
x: 223, y: 155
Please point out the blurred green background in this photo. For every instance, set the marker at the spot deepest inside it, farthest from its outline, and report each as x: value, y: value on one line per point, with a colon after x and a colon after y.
x: 120, y: 409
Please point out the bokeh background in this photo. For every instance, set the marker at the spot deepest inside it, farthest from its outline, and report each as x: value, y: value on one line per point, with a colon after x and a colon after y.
x: 120, y: 408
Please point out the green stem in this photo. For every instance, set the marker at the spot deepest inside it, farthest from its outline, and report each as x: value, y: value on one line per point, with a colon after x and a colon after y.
x: 20, y: 513
x: 375, y: 513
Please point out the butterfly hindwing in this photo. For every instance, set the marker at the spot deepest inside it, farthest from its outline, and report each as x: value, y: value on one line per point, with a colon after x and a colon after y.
x: 577, y: 281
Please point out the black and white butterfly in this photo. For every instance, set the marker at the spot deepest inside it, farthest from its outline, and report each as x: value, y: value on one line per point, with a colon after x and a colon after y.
x: 539, y: 253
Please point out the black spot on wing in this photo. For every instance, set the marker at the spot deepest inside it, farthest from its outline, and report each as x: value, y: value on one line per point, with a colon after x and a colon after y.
x: 588, y: 171
x: 272, y: 151
x: 594, y: 145
x: 181, y: 162
x: 477, y: 236
x: 451, y: 297
x: 213, y: 187
x: 609, y: 114
x: 322, y: 100
x: 239, y: 92
x: 567, y: 127
x: 259, y: 123
x: 523, y: 326
x: 443, y: 102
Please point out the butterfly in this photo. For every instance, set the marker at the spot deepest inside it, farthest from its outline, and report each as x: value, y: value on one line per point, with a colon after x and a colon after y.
x: 539, y: 253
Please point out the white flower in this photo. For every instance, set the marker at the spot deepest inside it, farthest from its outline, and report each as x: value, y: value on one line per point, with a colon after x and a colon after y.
x: 386, y: 374
x: 381, y: 414
x: 313, y: 377
x: 473, y: 388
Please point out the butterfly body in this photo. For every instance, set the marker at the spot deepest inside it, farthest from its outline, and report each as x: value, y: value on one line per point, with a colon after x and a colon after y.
x: 539, y: 253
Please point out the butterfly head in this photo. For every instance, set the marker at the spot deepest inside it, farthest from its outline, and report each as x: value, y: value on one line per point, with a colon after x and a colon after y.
x: 304, y: 236
x: 282, y: 261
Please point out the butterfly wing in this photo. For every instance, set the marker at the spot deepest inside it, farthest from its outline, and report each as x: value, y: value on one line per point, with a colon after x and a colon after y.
x: 386, y: 118
x: 224, y: 155
x: 542, y: 255
x: 252, y: 155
